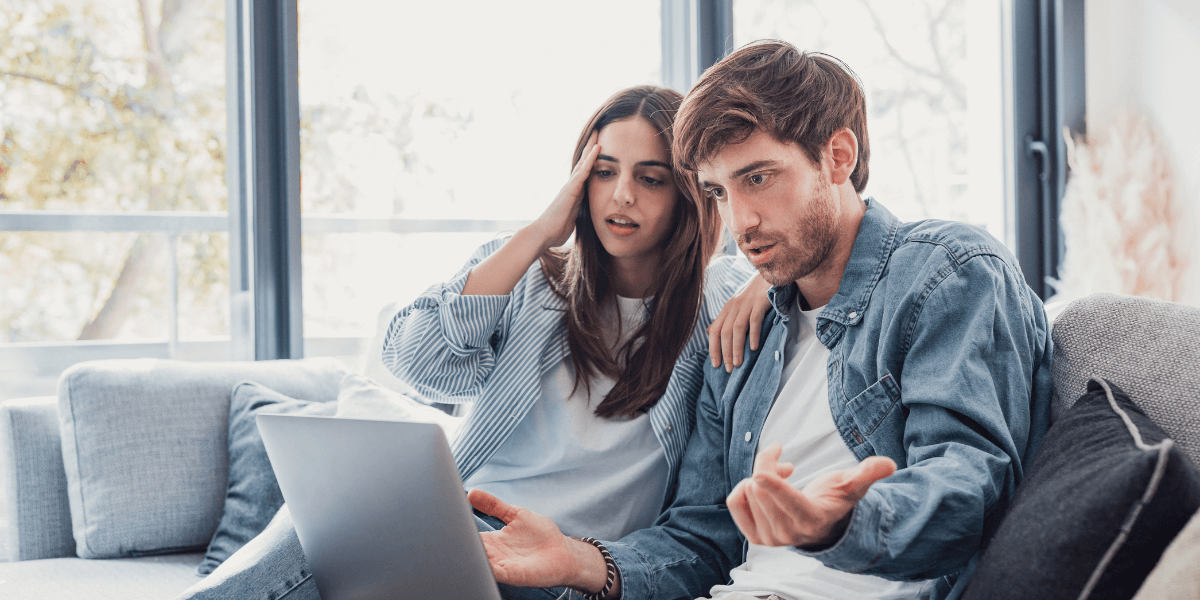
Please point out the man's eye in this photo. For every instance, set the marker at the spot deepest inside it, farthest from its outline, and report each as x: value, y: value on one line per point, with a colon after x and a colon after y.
x: 716, y: 193
x: 758, y: 178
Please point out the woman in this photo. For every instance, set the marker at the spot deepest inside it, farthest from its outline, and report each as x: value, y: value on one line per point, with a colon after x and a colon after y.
x: 583, y: 363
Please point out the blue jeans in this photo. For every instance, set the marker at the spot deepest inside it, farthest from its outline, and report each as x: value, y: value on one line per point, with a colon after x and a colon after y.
x: 272, y: 566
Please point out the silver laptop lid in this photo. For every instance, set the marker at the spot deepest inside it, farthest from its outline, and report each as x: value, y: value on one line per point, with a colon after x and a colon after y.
x: 379, y: 508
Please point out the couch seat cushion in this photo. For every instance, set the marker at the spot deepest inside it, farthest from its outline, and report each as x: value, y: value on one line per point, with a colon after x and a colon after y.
x: 152, y: 577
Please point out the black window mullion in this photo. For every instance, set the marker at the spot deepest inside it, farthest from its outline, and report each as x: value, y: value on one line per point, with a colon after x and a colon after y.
x: 1048, y: 92
x: 274, y: 186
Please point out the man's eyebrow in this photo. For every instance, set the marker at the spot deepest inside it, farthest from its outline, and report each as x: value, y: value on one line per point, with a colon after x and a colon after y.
x: 754, y: 166
x: 644, y: 163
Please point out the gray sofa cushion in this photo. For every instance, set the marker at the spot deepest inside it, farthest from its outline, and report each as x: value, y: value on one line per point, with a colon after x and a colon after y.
x: 253, y: 495
x: 150, y: 577
x: 144, y: 446
x: 31, y: 462
x: 1148, y: 348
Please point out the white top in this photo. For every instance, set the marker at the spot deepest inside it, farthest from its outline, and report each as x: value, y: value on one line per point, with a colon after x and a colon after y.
x: 595, y: 477
x: 800, y: 420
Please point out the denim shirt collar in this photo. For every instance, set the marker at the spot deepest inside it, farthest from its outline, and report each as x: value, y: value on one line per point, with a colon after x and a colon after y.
x: 872, y: 247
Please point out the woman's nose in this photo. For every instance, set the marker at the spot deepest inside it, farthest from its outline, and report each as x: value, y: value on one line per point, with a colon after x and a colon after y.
x: 624, y: 192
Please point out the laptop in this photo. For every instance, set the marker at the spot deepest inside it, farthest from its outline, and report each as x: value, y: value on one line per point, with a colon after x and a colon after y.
x: 379, y: 508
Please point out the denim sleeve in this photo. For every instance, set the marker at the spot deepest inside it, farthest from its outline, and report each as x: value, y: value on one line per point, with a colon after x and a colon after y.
x: 974, y: 347
x: 444, y: 344
x: 693, y: 545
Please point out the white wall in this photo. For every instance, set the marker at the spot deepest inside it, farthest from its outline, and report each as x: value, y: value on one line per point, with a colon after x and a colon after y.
x: 1147, y: 52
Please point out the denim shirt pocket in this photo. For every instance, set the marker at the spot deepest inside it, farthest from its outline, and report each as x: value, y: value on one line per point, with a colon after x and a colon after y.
x: 869, y: 408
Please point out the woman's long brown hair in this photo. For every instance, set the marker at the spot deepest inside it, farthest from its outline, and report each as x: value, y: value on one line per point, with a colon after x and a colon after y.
x: 581, y: 275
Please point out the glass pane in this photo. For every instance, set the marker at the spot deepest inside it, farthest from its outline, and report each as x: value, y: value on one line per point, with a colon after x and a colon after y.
x: 62, y: 282
x: 426, y: 110
x: 94, y: 121
x: 457, y: 109
x: 932, y: 71
x: 203, y: 260
x: 109, y: 106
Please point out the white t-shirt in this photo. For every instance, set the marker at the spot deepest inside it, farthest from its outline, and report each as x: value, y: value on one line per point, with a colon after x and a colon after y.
x: 800, y: 420
x: 595, y: 477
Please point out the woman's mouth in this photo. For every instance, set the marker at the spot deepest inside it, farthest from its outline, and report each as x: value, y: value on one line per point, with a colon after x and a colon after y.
x: 621, y: 226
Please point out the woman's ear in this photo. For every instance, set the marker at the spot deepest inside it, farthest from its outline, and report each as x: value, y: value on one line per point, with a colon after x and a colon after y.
x: 842, y: 153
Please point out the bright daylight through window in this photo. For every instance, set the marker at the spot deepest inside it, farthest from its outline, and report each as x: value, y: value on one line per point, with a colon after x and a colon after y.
x: 426, y: 129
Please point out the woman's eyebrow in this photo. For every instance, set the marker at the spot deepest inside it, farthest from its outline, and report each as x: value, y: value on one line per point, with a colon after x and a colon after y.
x: 644, y: 163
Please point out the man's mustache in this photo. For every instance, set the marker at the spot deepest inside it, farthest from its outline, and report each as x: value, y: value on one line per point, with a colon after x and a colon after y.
x: 755, y: 239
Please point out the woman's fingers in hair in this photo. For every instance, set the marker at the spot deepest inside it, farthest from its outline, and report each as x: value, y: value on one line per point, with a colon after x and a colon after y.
x: 584, y: 166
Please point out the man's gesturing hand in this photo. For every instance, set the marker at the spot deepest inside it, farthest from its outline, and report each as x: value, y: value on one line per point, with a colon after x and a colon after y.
x: 770, y: 512
x: 530, y: 551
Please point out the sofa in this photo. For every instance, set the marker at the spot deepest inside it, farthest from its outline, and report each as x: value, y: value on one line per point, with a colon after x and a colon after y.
x: 130, y: 458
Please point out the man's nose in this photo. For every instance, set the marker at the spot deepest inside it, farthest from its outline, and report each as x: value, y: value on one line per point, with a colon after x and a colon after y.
x: 742, y: 217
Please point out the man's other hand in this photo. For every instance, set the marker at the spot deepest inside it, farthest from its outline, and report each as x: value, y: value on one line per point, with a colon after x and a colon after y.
x: 530, y: 551
x: 770, y: 512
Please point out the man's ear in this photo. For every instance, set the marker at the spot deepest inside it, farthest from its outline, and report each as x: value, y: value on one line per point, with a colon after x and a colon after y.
x: 842, y: 150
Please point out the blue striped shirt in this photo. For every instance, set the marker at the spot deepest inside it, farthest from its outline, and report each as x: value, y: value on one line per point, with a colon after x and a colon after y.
x: 493, y: 350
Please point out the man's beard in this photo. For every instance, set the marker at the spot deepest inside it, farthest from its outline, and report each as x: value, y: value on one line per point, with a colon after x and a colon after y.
x: 804, y: 246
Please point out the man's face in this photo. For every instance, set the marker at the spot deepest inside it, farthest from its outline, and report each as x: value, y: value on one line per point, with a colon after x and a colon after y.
x: 778, y: 205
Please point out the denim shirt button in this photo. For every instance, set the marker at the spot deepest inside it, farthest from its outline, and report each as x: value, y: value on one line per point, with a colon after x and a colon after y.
x: 748, y: 436
x: 853, y: 314
x: 776, y: 355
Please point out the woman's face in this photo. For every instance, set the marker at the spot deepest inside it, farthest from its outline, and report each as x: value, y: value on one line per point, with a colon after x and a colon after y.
x: 631, y: 193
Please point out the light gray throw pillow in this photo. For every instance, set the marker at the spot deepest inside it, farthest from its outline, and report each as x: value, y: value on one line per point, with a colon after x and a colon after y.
x: 1148, y: 348
x: 145, y: 446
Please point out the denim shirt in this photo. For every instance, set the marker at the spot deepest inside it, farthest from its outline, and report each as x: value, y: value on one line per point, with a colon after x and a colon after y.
x: 939, y: 358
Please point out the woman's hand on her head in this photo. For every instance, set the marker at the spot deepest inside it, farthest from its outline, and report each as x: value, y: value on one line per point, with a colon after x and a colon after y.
x: 742, y: 315
x: 555, y: 225
x: 530, y: 551
x: 499, y: 273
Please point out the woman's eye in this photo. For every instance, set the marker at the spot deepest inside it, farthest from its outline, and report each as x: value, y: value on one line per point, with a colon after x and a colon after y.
x: 716, y: 193
x: 758, y: 178
x: 652, y: 182
x: 602, y: 173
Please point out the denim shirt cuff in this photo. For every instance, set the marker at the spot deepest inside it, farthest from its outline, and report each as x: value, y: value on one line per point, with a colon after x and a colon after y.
x: 865, y: 540
x: 633, y: 569
x: 468, y: 321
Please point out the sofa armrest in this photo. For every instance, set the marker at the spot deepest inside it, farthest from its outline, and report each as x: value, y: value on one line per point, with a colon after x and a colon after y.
x: 35, y: 484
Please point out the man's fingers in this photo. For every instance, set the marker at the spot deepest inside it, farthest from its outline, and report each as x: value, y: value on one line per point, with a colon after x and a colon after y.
x: 491, y: 505
x: 867, y: 472
x: 767, y: 457
x: 739, y: 509
x: 784, y: 470
x: 767, y: 517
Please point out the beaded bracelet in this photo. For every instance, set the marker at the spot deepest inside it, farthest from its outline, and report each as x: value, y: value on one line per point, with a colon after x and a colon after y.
x: 611, y: 566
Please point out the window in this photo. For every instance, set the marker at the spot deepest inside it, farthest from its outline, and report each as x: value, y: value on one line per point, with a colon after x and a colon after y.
x: 420, y: 142
x: 932, y: 72
x: 112, y: 185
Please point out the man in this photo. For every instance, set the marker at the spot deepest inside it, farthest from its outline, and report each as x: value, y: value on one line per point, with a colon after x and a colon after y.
x: 916, y: 345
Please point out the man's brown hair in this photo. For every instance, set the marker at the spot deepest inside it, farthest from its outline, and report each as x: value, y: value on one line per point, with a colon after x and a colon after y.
x: 797, y: 97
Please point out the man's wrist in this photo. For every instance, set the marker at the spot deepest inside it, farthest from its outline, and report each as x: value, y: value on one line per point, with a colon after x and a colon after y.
x: 835, y: 535
x: 591, y: 569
